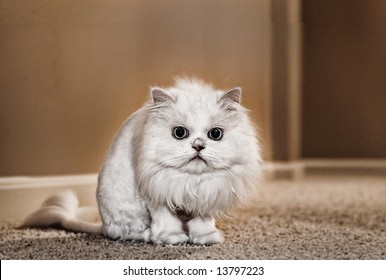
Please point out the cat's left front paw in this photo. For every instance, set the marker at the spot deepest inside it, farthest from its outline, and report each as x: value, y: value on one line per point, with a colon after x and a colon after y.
x: 207, y: 238
x: 202, y: 230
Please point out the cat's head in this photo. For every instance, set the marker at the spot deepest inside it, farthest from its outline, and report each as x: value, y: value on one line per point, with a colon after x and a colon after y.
x: 196, y: 129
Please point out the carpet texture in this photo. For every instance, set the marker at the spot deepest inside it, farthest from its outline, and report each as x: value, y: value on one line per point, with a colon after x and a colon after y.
x: 318, y: 217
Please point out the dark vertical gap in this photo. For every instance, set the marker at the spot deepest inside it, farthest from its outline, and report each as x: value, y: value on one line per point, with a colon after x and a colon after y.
x: 279, y: 100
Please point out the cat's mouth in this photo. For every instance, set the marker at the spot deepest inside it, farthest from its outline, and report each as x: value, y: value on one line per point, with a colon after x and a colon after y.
x: 197, y: 158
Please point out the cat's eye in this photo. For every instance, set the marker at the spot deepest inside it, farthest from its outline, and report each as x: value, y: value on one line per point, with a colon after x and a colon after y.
x: 215, y: 133
x: 180, y: 132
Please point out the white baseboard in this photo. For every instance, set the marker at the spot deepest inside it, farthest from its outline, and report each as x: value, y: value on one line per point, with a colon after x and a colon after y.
x: 302, y: 168
x: 20, y: 196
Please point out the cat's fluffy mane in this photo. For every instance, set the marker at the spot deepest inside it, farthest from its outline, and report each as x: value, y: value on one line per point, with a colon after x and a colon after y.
x: 233, y: 164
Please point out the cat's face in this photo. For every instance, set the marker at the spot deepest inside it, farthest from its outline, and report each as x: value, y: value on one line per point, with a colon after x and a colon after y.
x: 197, y: 130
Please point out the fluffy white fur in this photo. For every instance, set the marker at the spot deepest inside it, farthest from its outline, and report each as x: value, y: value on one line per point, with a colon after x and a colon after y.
x: 149, y: 177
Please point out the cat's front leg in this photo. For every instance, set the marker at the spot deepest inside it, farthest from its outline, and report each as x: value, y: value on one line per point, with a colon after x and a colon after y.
x: 166, y: 227
x: 202, y: 230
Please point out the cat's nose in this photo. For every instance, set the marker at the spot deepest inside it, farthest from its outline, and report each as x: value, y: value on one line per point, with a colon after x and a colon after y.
x: 198, y: 144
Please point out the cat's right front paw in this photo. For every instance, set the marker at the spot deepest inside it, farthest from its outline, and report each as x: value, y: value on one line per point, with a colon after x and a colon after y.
x: 169, y: 238
x: 166, y: 228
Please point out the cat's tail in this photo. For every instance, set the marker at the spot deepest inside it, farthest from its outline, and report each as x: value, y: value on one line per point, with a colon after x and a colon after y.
x: 63, y: 210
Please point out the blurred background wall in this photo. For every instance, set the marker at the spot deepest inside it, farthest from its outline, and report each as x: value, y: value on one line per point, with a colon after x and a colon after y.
x: 344, y: 79
x: 71, y: 71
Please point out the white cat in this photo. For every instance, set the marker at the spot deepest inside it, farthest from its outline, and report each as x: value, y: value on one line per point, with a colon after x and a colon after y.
x: 182, y: 160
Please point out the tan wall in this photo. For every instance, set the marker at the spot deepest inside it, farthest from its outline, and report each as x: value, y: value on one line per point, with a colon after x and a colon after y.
x: 73, y: 70
x: 344, y: 79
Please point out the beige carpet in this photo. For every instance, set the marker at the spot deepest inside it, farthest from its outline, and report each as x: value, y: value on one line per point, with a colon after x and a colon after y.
x: 319, y: 217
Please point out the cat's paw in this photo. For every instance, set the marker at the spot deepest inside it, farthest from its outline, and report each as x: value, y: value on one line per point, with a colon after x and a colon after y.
x: 169, y: 238
x: 212, y: 237
x: 166, y: 228
x: 202, y: 230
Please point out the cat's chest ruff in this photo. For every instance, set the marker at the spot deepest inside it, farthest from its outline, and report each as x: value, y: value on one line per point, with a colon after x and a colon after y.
x: 206, y: 194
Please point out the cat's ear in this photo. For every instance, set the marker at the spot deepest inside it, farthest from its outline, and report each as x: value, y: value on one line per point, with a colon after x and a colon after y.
x: 160, y: 95
x: 233, y: 95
